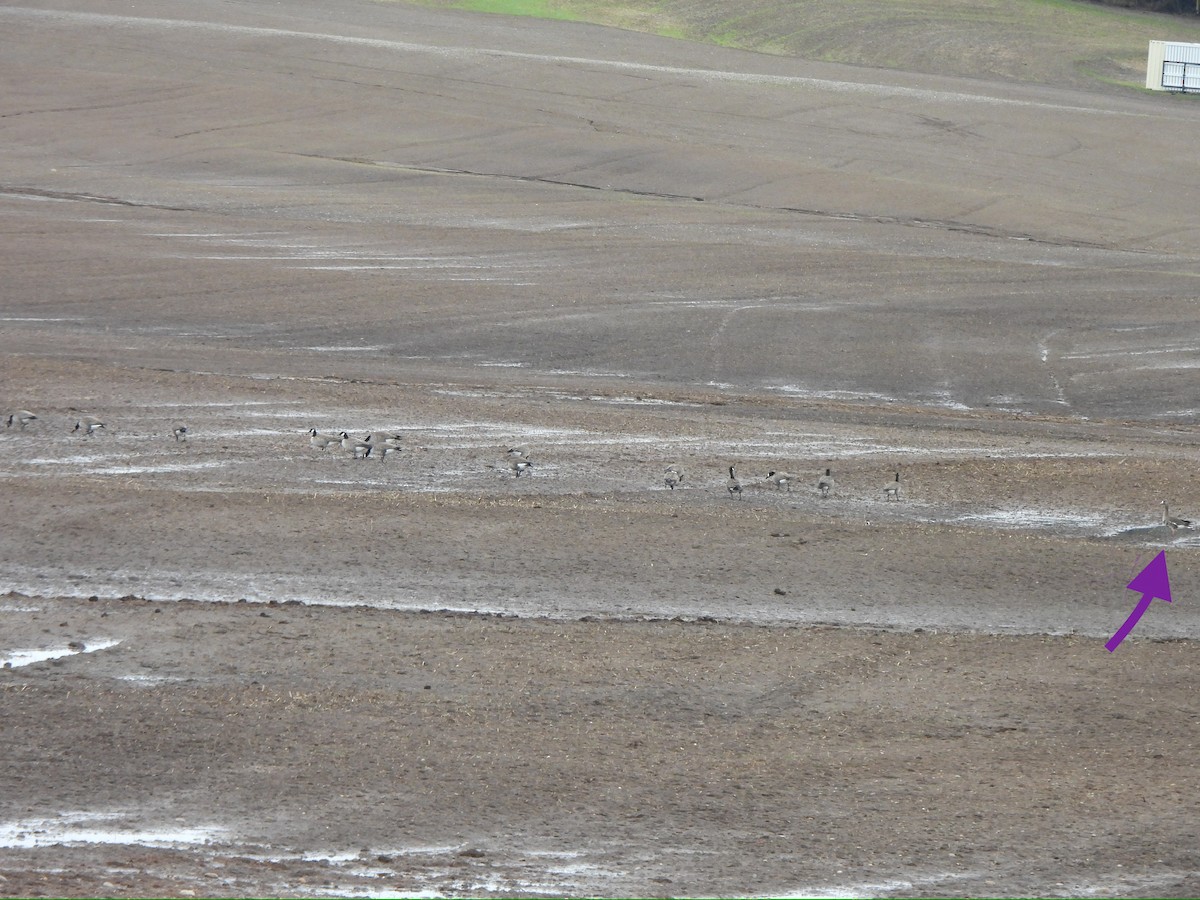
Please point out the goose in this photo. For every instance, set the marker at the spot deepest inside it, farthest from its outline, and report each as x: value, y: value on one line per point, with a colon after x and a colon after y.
x: 386, y: 448
x: 733, y: 485
x: 385, y: 441
x: 1173, y: 522
x: 322, y: 441
x: 825, y: 484
x: 519, y: 465
x: 89, y: 425
x: 21, y: 417
x: 180, y: 433
x: 780, y: 480
x: 359, y: 449
x: 891, y: 490
x: 673, y: 477
x: 516, y: 452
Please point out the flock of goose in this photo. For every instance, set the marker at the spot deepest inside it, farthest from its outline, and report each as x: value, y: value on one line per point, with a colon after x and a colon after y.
x: 825, y: 484
x: 88, y: 425
x: 379, y: 444
x: 518, y: 462
x: 360, y: 448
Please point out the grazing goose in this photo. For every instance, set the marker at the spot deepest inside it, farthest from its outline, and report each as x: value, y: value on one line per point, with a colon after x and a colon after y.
x: 825, y: 484
x: 360, y: 449
x: 780, y: 480
x: 89, y: 425
x: 1173, y: 522
x: 673, y: 477
x: 21, y: 417
x: 519, y: 465
x: 180, y: 433
x: 385, y: 442
x: 733, y: 485
x: 891, y: 490
x: 516, y: 452
x: 321, y: 441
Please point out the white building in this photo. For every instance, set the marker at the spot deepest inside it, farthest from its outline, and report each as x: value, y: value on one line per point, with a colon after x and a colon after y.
x: 1172, y: 66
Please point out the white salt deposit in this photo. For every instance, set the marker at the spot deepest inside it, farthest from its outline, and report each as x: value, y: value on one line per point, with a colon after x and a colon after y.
x: 329, y: 856
x: 96, y: 828
x: 809, y: 393
x: 585, y: 374
x: 425, y: 871
x: 151, y: 680
x: 151, y: 470
x: 232, y: 404
x: 1033, y: 518
x: 1163, y: 884
x: 18, y: 658
x: 883, y: 888
x: 76, y: 459
x: 345, y: 348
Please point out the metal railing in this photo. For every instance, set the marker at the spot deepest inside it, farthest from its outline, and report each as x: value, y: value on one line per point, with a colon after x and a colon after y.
x: 1181, y: 76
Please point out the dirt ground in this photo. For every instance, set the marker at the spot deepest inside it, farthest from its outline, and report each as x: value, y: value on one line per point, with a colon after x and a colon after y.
x: 239, y: 665
x: 358, y: 750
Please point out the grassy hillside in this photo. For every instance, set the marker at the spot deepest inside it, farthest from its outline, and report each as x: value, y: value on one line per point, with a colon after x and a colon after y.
x: 1046, y: 41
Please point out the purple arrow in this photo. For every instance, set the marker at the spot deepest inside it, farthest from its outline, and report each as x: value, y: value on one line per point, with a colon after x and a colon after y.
x: 1151, y: 582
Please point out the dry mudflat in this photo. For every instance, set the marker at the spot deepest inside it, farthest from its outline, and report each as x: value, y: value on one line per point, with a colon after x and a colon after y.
x: 241, y: 665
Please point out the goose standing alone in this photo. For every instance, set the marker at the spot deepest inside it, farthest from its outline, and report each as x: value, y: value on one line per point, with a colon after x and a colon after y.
x: 673, y: 477
x: 733, y: 485
x: 825, y: 484
x: 1174, y: 522
x: 322, y: 441
x: 180, y: 433
x: 359, y: 449
x: 89, y: 425
x: 891, y: 490
x: 781, y: 480
x: 21, y: 418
